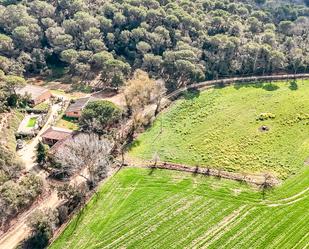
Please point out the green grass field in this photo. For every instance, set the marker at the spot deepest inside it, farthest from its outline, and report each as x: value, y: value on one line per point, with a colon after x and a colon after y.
x: 140, y: 208
x: 221, y: 128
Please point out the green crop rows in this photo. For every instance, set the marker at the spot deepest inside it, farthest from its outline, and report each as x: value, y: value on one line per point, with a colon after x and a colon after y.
x: 140, y: 208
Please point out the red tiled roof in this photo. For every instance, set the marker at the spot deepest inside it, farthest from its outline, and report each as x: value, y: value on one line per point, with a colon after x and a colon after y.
x: 56, y: 133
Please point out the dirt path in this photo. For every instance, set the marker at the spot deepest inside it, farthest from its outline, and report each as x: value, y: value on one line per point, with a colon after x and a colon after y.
x: 28, y: 153
x: 19, y: 230
x: 289, y: 200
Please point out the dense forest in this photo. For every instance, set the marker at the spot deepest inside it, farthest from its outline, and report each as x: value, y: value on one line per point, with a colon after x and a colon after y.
x: 180, y: 41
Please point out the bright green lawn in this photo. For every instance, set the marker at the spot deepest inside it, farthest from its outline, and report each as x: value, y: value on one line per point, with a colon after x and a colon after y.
x: 219, y: 129
x: 68, y: 123
x: 32, y: 122
x: 140, y: 208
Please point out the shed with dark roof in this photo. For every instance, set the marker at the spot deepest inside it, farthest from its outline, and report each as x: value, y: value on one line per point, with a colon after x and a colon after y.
x: 76, y: 107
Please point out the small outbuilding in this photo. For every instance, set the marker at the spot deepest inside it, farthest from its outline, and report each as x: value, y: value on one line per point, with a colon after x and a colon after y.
x: 76, y: 107
x: 55, y: 134
x: 37, y: 94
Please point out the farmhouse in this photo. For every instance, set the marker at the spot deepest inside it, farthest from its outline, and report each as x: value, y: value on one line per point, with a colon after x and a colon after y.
x: 37, y: 94
x: 54, y: 134
x: 76, y: 107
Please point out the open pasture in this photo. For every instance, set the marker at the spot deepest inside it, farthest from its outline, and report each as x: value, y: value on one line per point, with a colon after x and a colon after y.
x: 254, y: 128
x: 140, y: 208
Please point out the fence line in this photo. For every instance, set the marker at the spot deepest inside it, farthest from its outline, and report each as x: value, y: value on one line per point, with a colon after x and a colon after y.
x: 229, y: 81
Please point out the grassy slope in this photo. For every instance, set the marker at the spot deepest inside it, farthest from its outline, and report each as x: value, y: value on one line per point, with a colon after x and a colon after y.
x: 219, y: 129
x: 164, y: 209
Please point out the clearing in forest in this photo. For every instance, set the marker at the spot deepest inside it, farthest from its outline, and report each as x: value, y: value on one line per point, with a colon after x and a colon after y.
x: 144, y: 208
x: 253, y: 128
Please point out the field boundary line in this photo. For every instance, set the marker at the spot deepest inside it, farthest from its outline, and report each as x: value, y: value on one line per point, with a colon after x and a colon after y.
x: 237, y: 80
x: 255, y: 179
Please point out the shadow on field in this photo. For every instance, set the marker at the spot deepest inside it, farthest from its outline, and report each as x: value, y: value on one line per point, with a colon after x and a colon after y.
x: 270, y: 87
x: 293, y: 85
x: 191, y: 94
x: 151, y: 170
x: 134, y: 144
x: 266, y: 86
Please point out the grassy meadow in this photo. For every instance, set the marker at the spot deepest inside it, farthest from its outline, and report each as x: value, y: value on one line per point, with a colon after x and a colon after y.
x: 223, y: 128
x: 140, y: 208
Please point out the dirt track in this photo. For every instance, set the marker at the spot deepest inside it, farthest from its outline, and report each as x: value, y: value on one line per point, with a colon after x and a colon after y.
x: 19, y: 230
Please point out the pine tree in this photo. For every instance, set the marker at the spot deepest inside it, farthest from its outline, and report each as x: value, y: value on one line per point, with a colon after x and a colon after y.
x: 41, y: 153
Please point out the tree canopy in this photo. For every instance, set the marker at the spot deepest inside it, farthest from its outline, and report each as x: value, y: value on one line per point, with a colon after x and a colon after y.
x: 100, y: 116
x: 180, y: 41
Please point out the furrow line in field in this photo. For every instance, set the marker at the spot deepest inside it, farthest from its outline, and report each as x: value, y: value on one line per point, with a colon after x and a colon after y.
x: 297, y: 245
x: 253, y: 222
x: 251, y: 231
x: 151, y: 227
x: 123, y: 200
x: 224, y: 222
x: 289, y: 199
x: 141, y: 221
x: 133, y: 215
x: 185, y: 219
x: 217, y: 234
x: 275, y: 224
x: 217, y: 214
x: 140, y: 215
x: 111, y: 195
x: 170, y: 241
x: 285, y: 237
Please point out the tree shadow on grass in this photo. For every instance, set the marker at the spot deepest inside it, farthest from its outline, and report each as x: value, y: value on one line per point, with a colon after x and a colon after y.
x: 237, y: 86
x: 293, y: 85
x: 266, y: 86
x: 132, y: 145
x: 270, y: 87
x: 219, y: 85
x: 151, y: 170
x: 191, y: 94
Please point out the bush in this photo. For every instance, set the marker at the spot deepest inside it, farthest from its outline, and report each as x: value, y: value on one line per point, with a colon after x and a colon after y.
x: 265, y: 116
x: 42, y: 224
x: 100, y: 116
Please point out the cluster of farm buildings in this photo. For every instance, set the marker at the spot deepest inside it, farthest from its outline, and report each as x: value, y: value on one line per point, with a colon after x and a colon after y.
x: 37, y: 95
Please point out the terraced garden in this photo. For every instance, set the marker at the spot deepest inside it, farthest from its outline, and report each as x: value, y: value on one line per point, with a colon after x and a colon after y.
x: 140, y: 208
x: 254, y: 128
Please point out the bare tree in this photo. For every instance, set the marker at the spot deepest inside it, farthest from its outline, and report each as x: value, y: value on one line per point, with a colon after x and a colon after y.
x: 84, y: 151
x: 142, y: 90
x: 267, y: 184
